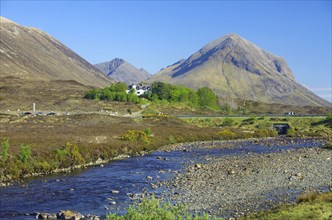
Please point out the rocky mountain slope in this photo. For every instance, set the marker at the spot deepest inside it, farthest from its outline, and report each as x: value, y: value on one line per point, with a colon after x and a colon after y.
x: 122, y: 71
x: 236, y: 69
x: 31, y: 54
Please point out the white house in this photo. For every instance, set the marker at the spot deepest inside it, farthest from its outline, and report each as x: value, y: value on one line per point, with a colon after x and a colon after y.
x: 140, y: 89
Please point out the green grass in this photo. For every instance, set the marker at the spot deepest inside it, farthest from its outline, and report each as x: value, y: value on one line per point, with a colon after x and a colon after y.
x: 301, y: 126
x: 153, y: 209
x: 66, y: 144
x: 309, y: 206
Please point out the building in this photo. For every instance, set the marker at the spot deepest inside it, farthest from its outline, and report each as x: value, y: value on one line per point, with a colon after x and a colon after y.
x: 140, y: 89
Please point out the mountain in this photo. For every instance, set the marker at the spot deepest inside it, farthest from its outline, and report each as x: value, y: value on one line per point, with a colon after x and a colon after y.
x: 236, y: 69
x: 122, y: 71
x: 31, y: 54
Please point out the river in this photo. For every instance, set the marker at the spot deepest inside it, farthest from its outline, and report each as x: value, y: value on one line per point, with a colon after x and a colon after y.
x: 91, y: 191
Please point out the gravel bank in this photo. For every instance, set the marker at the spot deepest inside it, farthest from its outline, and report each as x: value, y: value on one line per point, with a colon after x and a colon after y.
x: 231, y: 186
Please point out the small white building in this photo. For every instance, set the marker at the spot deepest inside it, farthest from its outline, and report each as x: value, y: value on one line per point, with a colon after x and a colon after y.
x: 140, y: 89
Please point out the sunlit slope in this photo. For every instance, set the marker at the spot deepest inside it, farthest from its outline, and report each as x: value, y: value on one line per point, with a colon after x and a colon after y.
x: 236, y: 69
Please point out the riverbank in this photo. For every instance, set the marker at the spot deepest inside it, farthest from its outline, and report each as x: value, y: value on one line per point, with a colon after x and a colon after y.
x: 232, y: 186
x: 33, y: 145
x: 115, y: 185
x: 4, y: 181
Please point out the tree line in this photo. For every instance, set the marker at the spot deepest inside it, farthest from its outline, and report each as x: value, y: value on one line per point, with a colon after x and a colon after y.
x: 159, y: 92
x: 114, y: 92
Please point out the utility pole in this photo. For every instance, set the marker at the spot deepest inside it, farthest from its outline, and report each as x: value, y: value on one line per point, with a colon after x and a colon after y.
x: 34, y: 108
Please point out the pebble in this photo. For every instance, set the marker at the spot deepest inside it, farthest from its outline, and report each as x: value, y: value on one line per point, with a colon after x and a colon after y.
x: 288, y: 172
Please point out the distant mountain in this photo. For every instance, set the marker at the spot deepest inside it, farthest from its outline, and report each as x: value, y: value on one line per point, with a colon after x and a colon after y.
x: 236, y: 69
x: 31, y: 54
x: 122, y: 71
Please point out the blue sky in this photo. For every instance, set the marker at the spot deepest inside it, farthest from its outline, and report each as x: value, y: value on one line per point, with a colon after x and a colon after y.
x: 155, y: 34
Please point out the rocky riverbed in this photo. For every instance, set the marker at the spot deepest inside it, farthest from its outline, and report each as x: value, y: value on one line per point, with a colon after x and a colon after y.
x: 231, y: 186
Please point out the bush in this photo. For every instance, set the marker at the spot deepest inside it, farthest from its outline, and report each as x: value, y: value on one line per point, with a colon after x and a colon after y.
x: 228, y: 122
x: 152, y: 209
x: 148, y: 131
x: 42, y: 167
x: 69, y: 155
x: 307, y: 197
x: 227, y: 134
x: 136, y: 136
x: 25, y: 153
x: 263, y: 132
x: 172, y: 139
x: 291, y: 132
x: 328, y: 120
x: 4, y: 149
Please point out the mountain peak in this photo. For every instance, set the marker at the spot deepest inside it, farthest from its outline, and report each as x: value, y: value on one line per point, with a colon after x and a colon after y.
x: 122, y: 71
x: 34, y: 55
x: 233, y: 36
x: 235, y: 68
x: 4, y: 20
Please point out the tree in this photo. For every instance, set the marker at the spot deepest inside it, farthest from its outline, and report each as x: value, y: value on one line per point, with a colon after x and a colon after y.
x: 118, y: 87
x: 207, y: 98
x: 162, y: 90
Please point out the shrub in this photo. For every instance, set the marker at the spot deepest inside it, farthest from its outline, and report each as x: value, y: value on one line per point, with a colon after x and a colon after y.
x: 25, y: 153
x: 42, y: 167
x: 68, y: 155
x: 307, y: 197
x: 291, y: 132
x: 151, y: 208
x: 328, y: 120
x: 172, y: 139
x: 136, y: 136
x: 148, y: 131
x: 228, y: 122
x: 227, y: 134
x: 4, y: 149
x: 263, y: 132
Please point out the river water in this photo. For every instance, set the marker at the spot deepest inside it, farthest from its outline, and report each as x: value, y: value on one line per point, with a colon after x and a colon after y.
x: 89, y: 191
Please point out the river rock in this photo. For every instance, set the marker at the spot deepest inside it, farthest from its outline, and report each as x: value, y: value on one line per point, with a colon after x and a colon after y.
x: 45, y: 216
x: 69, y: 215
x: 230, y: 172
x: 92, y: 217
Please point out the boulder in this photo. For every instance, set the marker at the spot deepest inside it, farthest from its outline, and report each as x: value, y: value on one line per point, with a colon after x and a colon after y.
x: 69, y: 215
x: 115, y: 191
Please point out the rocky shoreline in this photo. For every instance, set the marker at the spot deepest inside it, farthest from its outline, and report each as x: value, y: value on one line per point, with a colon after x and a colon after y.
x: 231, y: 186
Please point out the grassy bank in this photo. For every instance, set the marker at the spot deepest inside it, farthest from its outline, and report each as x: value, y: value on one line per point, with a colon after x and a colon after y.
x: 41, y: 144
x: 299, y: 126
x: 307, y: 207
